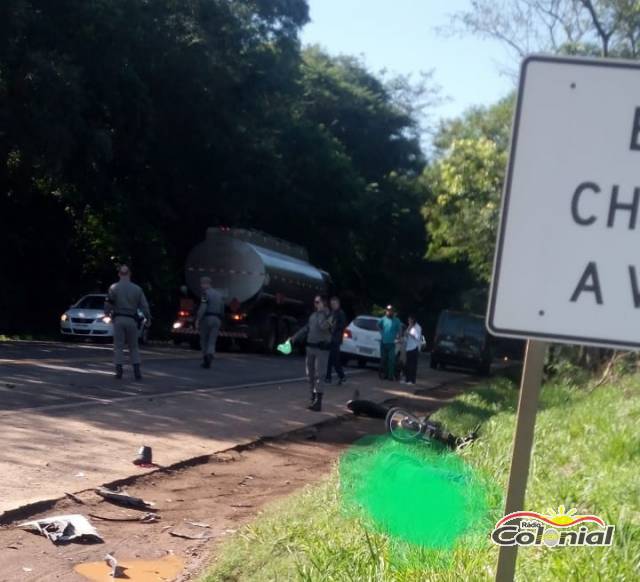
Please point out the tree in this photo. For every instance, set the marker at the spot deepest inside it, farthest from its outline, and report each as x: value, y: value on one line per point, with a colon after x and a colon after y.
x: 465, y: 185
x: 586, y: 27
x: 373, y: 234
x: 605, y: 28
x: 128, y: 128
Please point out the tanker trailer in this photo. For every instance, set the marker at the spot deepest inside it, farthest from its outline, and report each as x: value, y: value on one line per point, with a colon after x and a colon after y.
x: 268, y: 286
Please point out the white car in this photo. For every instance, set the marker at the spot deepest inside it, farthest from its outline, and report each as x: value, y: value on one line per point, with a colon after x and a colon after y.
x: 361, y: 341
x: 87, y: 318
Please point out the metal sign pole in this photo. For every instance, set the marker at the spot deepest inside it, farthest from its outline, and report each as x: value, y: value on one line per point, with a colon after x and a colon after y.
x: 522, y: 443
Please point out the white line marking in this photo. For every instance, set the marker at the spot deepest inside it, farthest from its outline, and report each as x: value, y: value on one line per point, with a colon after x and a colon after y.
x: 163, y: 395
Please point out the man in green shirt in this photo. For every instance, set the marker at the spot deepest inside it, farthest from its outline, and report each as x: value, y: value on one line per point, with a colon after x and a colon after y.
x: 390, y: 327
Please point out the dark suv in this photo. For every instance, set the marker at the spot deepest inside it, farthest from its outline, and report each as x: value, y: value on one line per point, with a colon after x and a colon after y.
x: 461, y: 339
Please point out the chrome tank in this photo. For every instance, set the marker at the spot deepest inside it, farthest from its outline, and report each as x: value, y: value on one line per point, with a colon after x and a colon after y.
x: 246, y: 265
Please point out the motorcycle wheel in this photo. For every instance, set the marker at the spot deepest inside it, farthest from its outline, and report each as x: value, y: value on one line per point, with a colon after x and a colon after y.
x: 403, y: 426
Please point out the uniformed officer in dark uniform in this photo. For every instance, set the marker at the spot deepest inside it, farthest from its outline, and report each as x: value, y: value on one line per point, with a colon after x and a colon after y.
x: 123, y: 302
x: 208, y: 320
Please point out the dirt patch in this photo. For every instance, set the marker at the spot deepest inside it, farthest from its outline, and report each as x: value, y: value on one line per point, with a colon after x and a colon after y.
x: 196, y: 506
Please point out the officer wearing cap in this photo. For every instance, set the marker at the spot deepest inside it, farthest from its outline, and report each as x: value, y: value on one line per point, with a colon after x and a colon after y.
x: 124, y: 300
x: 208, y: 320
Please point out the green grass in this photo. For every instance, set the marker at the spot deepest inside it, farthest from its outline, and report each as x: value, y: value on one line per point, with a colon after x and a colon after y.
x: 586, y: 455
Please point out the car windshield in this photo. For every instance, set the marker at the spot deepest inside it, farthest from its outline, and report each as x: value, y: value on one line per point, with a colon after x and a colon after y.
x: 450, y: 325
x: 91, y: 302
x: 368, y: 323
x: 458, y: 325
x: 475, y: 328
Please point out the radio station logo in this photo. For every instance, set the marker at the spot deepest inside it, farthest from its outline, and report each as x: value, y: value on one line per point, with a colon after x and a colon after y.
x: 558, y: 529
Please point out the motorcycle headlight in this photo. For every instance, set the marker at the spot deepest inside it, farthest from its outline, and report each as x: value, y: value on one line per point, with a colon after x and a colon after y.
x: 105, y: 319
x: 64, y: 317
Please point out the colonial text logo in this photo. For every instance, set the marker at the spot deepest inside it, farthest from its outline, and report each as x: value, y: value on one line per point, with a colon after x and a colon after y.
x: 558, y: 529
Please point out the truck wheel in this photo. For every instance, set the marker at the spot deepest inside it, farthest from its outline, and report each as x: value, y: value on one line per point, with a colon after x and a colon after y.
x: 362, y: 362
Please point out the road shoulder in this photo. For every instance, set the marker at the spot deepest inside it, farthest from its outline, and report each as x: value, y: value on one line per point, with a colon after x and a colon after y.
x: 224, y: 492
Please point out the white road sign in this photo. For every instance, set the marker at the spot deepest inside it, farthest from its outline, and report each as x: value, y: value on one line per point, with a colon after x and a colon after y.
x: 567, y: 266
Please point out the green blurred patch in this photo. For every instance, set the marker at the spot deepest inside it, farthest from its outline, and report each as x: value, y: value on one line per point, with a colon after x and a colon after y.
x: 421, y: 494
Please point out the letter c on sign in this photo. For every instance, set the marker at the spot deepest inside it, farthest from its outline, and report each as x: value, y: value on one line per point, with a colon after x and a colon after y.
x: 576, y: 200
x: 503, y: 536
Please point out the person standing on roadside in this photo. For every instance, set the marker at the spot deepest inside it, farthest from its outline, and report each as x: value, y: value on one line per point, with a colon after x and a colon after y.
x: 339, y: 323
x: 317, y: 332
x: 208, y: 320
x: 413, y: 342
x: 124, y: 300
x: 390, y: 327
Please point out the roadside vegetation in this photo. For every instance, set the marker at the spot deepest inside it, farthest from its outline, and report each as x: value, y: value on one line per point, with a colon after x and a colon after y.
x: 586, y: 456
x: 110, y: 152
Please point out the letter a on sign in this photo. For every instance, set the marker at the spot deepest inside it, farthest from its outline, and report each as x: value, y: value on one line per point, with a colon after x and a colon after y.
x: 589, y: 282
x: 569, y: 225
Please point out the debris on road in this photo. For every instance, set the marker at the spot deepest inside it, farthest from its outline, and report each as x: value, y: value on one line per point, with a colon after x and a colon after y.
x: 144, y: 458
x: 63, y: 529
x: 113, y: 564
x: 197, y: 524
x: 123, y: 498
x: 191, y: 536
x: 74, y: 498
x: 145, y: 518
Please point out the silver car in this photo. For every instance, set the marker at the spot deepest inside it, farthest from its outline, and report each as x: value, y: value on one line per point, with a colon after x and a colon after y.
x: 87, y: 319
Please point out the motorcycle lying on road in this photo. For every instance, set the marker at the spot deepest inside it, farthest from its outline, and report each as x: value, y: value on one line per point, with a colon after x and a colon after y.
x: 406, y: 427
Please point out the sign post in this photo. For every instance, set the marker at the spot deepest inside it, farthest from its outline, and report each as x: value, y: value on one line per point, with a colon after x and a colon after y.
x: 567, y: 268
x: 522, y: 443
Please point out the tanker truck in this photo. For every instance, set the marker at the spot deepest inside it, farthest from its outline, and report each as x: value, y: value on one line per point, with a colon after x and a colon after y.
x: 268, y: 286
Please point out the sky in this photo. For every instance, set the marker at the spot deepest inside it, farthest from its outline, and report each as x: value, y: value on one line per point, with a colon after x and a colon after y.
x: 400, y: 36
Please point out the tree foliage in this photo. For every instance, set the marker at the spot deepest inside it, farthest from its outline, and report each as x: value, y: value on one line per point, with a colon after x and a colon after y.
x: 585, y: 27
x: 465, y: 184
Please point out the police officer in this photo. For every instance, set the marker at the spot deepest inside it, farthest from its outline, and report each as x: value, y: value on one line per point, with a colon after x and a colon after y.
x: 339, y: 323
x: 317, y: 333
x: 123, y: 302
x: 208, y: 320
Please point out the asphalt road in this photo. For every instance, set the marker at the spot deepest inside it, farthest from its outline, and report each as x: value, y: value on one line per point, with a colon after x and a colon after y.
x: 41, y: 375
x: 66, y: 424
